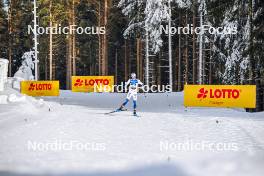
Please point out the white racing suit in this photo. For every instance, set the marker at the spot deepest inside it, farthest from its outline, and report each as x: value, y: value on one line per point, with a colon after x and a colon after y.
x: 133, y: 89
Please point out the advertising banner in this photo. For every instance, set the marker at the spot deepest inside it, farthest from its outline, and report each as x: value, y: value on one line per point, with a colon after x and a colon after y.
x: 240, y: 96
x: 92, y: 83
x: 40, y: 88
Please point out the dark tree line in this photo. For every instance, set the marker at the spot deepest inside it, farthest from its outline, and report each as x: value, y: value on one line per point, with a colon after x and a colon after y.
x: 62, y: 56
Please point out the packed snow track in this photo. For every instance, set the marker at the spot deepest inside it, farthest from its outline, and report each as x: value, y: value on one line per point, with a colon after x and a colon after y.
x: 168, y: 139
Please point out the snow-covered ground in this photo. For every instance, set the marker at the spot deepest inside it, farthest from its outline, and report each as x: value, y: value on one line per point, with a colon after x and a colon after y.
x: 167, y: 139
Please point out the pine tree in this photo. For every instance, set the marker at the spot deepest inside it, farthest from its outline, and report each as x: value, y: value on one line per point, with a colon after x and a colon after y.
x: 19, y: 17
x: 3, y: 31
x: 258, y: 33
x: 234, y: 53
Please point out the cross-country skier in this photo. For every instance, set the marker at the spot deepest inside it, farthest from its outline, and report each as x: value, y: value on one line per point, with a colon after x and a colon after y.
x: 133, y: 89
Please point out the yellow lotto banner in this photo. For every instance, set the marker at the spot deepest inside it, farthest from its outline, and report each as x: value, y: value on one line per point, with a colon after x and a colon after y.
x: 241, y: 96
x: 92, y: 83
x: 40, y: 88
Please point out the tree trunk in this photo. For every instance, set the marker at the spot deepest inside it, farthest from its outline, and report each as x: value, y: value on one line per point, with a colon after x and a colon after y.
x: 194, y: 46
x: 176, y: 67
x: 129, y: 57
x: 10, y: 38
x: 147, y: 58
x: 91, y: 64
x: 138, y: 57
x: 69, y: 54
x: 105, y: 41
x: 210, y: 66
x: 201, y: 58
x: 186, y: 54
x: 179, y: 63
x: 50, y: 44
x: 170, y: 48
x: 69, y: 62
x: 126, y: 59
x: 46, y: 68
x: 141, y: 62
x: 159, y: 69
x: 73, y: 41
x: 179, y: 66
x: 116, y: 67
x: 99, y: 41
x: 251, y: 53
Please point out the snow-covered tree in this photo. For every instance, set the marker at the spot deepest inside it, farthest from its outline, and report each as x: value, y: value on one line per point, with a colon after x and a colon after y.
x: 25, y: 70
x: 233, y: 48
x: 134, y: 10
x: 155, y: 13
x: 148, y: 16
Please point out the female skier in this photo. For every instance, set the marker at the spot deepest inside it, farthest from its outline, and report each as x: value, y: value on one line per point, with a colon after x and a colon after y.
x: 133, y: 84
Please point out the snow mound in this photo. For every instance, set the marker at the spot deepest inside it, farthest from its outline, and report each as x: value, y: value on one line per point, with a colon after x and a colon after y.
x: 3, y: 99
x: 13, y: 96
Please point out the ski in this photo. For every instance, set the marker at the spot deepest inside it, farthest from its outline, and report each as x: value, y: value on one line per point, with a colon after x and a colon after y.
x: 117, y: 110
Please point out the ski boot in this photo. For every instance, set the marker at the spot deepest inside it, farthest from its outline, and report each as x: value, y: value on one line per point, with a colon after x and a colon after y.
x: 135, y: 112
x: 122, y: 108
